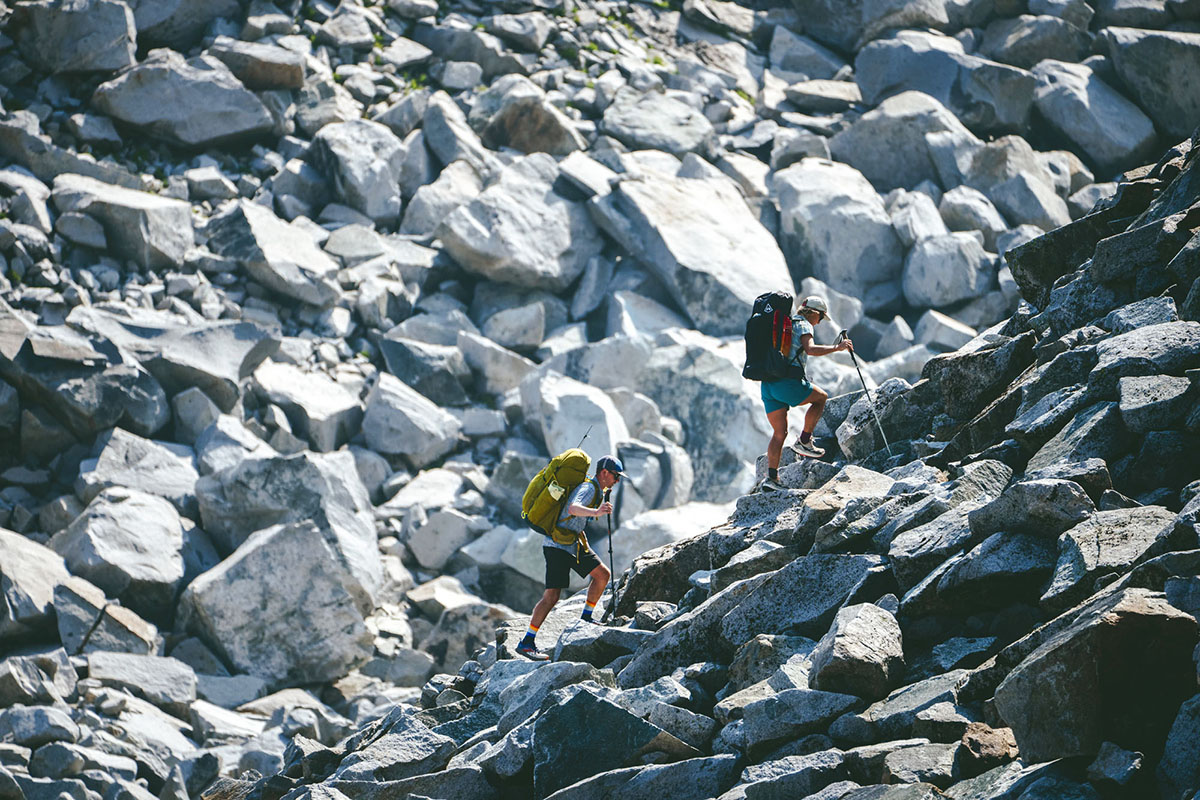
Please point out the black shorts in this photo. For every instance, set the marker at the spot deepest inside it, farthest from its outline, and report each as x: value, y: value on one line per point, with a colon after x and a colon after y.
x: 559, y: 564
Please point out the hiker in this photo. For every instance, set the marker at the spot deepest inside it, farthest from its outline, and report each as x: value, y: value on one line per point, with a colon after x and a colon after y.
x: 780, y: 395
x: 586, y: 502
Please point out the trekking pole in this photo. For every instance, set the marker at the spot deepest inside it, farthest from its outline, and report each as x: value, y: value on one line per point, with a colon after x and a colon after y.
x: 870, y: 402
x: 611, y: 611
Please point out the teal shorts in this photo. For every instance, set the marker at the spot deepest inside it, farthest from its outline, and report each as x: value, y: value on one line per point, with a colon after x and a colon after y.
x: 785, y: 393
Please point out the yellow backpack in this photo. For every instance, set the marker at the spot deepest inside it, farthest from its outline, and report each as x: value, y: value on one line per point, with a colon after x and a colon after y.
x: 546, y: 497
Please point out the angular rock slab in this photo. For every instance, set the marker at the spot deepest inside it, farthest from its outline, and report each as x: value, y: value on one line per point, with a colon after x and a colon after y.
x: 519, y: 231
x: 562, y: 410
x: 652, y: 121
x: 126, y: 460
x: 833, y: 221
x: 87, y: 36
x: 261, y: 492
x: 213, y: 357
x: 319, y: 408
x: 561, y: 757
x: 861, y: 655
x: 364, y: 161
x: 154, y: 231
x: 194, y: 103
x: 401, y: 421
x: 130, y: 544
x: 29, y: 574
x: 277, y: 254
x: 1118, y: 673
x: 801, y: 598
x: 1111, y: 131
x: 286, y: 607
x: 1109, y: 541
x: 405, y: 749
x: 702, y: 241
x: 1157, y: 67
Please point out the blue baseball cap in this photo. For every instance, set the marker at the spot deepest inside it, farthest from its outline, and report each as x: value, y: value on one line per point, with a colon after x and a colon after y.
x: 612, y: 464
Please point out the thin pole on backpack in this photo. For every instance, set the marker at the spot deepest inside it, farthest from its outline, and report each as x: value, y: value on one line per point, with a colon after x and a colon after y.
x: 612, y: 571
x: 585, y: 435
x: 870, y: 402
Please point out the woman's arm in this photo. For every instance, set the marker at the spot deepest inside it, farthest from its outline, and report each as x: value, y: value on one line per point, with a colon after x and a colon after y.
x: 813, y: 349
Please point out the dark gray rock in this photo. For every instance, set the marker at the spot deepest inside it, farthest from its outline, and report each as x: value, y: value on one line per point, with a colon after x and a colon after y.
x: 1151, y: 63
x: 915, y: 552
x: 893, y: 717
x: 93, y: 36
x: 1095, y: 432
x: 791, y: 776
x: 1005, y: 568
x: 1179, y: 770
x: 560, y: 757
x: 1110, y: 541
x: 193, y: 103
x: 927, y: 763
x: 985, y: 95
x: 405, y: 748
x: 1054, y: 700
x: 801, y: 598
x: 862, y: 654
x: 166, y: 682
x: 34, y: 726
x: 791, y: 714
x: 1042, y: 506
x: 1154, y: 402
x: 1026, y: 40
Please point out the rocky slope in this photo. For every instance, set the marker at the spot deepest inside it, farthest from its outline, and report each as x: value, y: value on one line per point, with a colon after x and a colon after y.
x: 297, y: 297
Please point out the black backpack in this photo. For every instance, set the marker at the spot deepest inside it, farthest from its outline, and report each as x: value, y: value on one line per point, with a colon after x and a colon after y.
x: 769, y: 339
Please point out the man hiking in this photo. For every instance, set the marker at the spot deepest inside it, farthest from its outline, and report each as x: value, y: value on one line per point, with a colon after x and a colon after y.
x: 780, y: 395
x: 568, y: 550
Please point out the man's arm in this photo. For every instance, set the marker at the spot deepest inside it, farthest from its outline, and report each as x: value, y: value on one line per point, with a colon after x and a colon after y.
x: 576, y: 510
x: 812, y: 349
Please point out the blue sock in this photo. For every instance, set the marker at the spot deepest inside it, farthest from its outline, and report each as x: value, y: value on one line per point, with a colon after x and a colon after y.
x: 588, y: 609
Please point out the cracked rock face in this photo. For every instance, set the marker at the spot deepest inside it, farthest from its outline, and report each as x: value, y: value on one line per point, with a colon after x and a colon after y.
x: 296, y: 299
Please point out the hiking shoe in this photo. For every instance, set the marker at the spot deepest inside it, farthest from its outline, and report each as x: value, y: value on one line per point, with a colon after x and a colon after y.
x: 530, y: 651
x: 769, y: 485
x: 810, y: 449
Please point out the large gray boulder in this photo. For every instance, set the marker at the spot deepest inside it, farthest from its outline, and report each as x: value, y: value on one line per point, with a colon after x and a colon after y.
x: 194, y: 103
x: 861, y: 655
x: 29, y: 574
x: 311, y: 633
x: 401, y: 421
x: 519, y: 231
x: 943, y: 270
x: 324, y: 489
x: 154, y: 231
x: 402, y: 747
x: 451, y: 138
x: 515, y: 113
x: 279, y: 255
x: 457, y: 184
x: 563, y: 410
x: 561, y: 758
x: 76, y: 35
x: 130, y: 544
x: 1027, y: 40
x: 889, y: 144
x: 725, y: 426
x: 984, y: 95
x: 319, y: 408
x: 834, y: 225
x: 1059, y: 700
x: 654, y: 121
x: 1157, y: 67
x: 364, y: 161
x: 702, y: 241
x: 89, y: 622
x: 1109, y: 541
x: 213, y: 357
x: 178, y: 23
x: 1016, y: 180
x: 259, y: 66
x: 801, y: 598
x: 847, y: 26
x: 1111, y: 131
x: 22, y: 141
x: 124, y: 459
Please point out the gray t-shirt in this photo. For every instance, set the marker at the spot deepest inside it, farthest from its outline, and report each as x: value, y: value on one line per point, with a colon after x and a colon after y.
x: 583, y: 495
x: 800, y: 327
